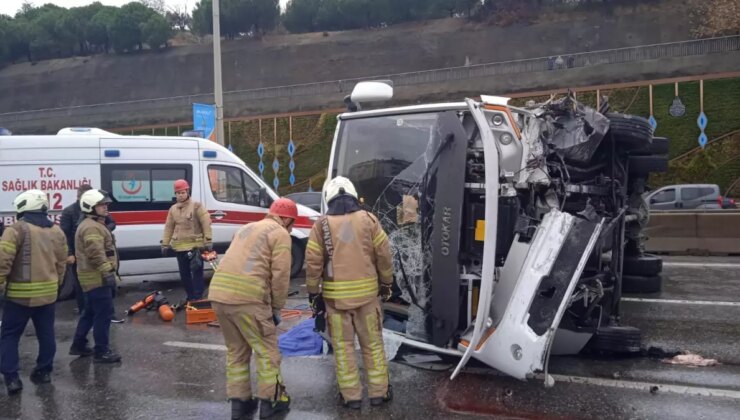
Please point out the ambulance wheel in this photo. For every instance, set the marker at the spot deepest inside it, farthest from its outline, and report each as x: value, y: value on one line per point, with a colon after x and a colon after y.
x: 297, y: 255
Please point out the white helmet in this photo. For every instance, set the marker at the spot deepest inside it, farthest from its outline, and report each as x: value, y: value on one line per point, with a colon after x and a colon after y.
x: 337, y: 186
x: 31, y: 200
x: 92, y: 198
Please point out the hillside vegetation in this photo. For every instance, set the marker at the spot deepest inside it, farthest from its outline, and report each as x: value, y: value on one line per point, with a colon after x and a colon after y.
x: 718, y: 163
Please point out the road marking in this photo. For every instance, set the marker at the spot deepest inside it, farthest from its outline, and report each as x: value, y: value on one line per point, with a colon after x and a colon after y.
x: 681, y: 302
x: 612, y: 383
x: 199, y: 346
x: 695, y: 391
x: 700, y: 265
x: 651, y: 387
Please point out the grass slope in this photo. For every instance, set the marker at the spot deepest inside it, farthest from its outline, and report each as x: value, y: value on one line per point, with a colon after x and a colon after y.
x: 719, y: 163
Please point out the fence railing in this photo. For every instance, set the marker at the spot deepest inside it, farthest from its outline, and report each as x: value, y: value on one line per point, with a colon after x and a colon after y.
x: 344, y: 86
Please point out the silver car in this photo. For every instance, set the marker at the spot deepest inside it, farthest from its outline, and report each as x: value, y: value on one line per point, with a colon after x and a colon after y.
x: 688, y: 196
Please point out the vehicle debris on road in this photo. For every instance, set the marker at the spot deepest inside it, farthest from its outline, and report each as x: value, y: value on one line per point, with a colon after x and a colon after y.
x: 691, y: 360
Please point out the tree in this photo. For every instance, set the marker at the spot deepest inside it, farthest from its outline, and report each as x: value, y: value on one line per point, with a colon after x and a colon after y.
x: 77, y: 22
x: 203, y: 17
x: 265, y: 15
x: 252, y: 17
x: 156, y: 31
x: 329, y: 16
x: 179, y: 18
x: 445, y: 8
x: 98, y: 31
x: 50, y: 32
x: 5, y: 22
x: 156, y: 5
x: 18, y: 39
x: 300, y: 15
x: 125, y: 31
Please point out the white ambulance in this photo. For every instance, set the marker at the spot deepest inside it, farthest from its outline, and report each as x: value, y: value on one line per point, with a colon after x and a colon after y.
x: 139, y: 172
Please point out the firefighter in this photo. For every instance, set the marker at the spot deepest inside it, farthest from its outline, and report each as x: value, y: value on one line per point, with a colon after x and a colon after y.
x: 188, y: 231
x: 33, y: 255
x: 247, y: 293
x: 348, y: 264
x: 97, y: 263
x: 70, y: 220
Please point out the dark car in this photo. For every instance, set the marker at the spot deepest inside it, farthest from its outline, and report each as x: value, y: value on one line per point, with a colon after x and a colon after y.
x: 311, y: 199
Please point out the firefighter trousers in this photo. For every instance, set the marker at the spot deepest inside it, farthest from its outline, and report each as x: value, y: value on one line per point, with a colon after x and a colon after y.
x: 366, y: 322
x: 249, y: 328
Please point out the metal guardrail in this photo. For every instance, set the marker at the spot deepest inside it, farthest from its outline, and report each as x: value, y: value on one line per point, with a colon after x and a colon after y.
x: 338, y: 87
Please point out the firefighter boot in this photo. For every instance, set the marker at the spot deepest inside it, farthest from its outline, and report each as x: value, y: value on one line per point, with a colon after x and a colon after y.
x: 242, y: 408
x: 388, y: 397
x: 354, y: 404
x: 282, y: 403
x: 40, y: 377
x: 108, y: 357
x: 81, y: 351
x: 14, y: 385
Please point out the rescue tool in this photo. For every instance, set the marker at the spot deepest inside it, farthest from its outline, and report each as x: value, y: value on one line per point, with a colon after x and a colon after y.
x: 151, y: 301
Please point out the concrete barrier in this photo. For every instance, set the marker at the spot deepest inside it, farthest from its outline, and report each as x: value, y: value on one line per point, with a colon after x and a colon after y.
x: 694, y: 232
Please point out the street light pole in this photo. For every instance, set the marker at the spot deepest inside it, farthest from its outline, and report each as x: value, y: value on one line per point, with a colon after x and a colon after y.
x: 217, y: 86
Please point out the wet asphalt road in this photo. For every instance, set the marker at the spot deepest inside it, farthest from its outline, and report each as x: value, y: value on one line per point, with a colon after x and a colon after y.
x: 159, y: 381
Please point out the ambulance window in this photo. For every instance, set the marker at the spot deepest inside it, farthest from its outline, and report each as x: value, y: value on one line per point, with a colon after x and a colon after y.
x: 162, y: 181
x: 232, y: 185
x: 130, y: 185
x: 138, y: 186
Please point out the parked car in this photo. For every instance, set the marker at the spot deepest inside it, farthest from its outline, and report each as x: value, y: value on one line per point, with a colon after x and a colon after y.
x: 689, y: 196
x: 728, y: 203
x: 310, y: 199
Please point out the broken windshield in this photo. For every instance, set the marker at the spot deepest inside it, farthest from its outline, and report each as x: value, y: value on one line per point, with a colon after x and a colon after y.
x: 377, y: 151
x: 387, y: 158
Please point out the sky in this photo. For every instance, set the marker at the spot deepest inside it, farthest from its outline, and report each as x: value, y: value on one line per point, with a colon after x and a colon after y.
x: 10, y: 7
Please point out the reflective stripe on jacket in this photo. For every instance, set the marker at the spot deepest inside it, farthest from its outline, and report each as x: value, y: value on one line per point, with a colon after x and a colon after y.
x: 188, y: 226
x: 256, y: 267
x: 32, y: 263
x: 361, y: 259
x: 96, y: 254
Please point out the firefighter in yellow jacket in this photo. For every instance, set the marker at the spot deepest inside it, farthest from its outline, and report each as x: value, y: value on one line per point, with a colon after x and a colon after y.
x: 32, y: 263
x: 97, y: 263
x: 247, y: 293
x: 188, y: 231
x: 348, y: 261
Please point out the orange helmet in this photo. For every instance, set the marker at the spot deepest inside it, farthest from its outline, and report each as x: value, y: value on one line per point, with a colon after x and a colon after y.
x: 181, y: 184
x: 284, y: 207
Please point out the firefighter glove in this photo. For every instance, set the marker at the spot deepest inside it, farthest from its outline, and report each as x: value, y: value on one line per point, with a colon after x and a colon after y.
x: 276, y: 316
x: 386, y: 291
x: 316, y: 302
x: 320, y: 323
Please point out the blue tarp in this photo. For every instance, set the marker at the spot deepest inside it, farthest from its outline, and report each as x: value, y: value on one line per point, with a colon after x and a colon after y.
x: 301, y: 340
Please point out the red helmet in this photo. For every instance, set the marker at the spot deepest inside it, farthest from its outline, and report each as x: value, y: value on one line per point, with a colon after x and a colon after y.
x: 181, y: 184
x: 284, y: 207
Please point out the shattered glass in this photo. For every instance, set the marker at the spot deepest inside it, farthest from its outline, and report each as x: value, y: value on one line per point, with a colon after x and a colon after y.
x: 387, y: 158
